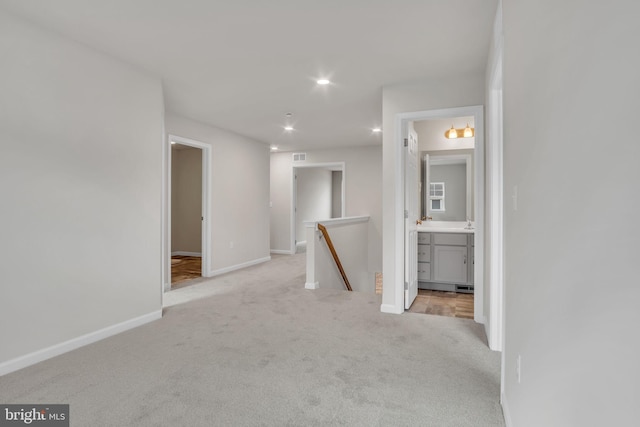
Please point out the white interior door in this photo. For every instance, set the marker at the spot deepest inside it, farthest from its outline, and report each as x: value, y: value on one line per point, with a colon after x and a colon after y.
x: 412, y: 214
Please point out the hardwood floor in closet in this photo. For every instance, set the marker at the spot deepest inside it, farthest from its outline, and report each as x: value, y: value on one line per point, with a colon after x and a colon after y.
x: 184, y: 268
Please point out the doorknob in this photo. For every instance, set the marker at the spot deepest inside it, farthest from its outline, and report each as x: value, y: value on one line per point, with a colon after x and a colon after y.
x: 418, y: 222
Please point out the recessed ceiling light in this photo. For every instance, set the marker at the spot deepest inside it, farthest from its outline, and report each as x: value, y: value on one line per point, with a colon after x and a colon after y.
x: 323, y: 81
x: 274, y: 148
x: 376, y: 130
x: 288, y: 128
x: 173, y: 142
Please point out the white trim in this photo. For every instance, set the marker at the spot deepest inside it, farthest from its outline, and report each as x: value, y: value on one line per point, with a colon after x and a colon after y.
x: 401, y: 123
x: 398, y: 281
x: 495, y: 189
x: 165, y: 256
x: 184, y: 253
x: 332, y: 222
x: 72, y: 344
x: 391, y: 308
x: 505, y: 411
x: 207, y: 162
x: 314, y: 285
x: 339, y: 166
x: 238, y: 266
x: 281, y: 252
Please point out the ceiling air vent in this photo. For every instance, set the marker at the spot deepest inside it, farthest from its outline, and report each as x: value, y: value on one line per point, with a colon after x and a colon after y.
x: 298, y: 157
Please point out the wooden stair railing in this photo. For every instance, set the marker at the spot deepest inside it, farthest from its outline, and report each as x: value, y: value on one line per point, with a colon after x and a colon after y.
x: 325, y: 233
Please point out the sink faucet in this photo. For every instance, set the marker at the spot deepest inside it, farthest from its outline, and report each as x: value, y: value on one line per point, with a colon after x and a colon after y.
x: 424, y: 218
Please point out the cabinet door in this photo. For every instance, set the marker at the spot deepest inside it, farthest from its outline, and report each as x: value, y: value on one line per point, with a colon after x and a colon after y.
x: 424, y: 271
x: 424, y: 253
x: 450, y: 264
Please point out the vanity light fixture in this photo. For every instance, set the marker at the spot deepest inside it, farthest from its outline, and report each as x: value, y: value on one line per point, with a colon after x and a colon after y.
x: 454, y: 133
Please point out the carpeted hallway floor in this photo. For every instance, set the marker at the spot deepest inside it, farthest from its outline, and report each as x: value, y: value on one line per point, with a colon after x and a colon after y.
x: 254, y: 348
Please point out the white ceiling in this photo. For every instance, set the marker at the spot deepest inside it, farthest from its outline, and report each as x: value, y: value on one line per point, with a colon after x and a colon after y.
x: 242, y: 64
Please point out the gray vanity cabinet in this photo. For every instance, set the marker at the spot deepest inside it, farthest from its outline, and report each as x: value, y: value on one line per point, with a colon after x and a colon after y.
x: 445, y: 261
x: 424, y: 257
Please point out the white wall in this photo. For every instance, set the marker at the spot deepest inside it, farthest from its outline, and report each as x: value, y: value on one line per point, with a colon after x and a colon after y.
x: 239, y: 193
x: 362, y: 195
x: 186, y: 199
x: 572, y: 290
x: 313, y: 197
x: 447, y: 92
x: 350, y: 242
x: 80, y: 178
x: 336, y: 194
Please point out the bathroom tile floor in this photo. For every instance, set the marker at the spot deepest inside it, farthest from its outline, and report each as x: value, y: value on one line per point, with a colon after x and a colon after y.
x: 441, y: 303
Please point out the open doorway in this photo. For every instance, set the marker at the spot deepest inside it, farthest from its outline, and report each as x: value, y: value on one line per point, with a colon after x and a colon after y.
x: 318, y: 193
x: 186, y: 214
x: 451, y: 258
x: 188, y: 203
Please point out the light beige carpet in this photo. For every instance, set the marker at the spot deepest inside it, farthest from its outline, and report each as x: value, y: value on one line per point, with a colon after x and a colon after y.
x: 257, y: 349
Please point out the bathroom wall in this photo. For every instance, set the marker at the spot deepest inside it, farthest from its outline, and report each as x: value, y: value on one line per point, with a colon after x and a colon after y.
x: 431, y: 134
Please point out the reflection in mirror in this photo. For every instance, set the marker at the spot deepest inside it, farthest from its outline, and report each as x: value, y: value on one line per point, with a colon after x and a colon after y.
x: 447, y: 186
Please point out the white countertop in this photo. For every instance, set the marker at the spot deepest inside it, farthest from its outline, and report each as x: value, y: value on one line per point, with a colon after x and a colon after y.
x: 446, y: 227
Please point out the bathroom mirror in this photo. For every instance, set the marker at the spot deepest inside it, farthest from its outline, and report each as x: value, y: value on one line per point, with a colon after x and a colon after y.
x: 447, y: 185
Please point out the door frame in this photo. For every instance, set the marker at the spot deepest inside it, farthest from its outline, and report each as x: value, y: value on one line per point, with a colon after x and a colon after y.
x: 205, y: 227
x: 402, y: 121
x: 340, y: 165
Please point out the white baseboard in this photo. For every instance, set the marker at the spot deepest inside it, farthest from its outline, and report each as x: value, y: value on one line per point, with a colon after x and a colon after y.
x: 505, y: 411
x: 389, y: 308
x: 238, y: 266
x: 487, y: 333
x: 281, y: 252
x: 66, y: 346
x: 185, y: 253
x: 314, y: 285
